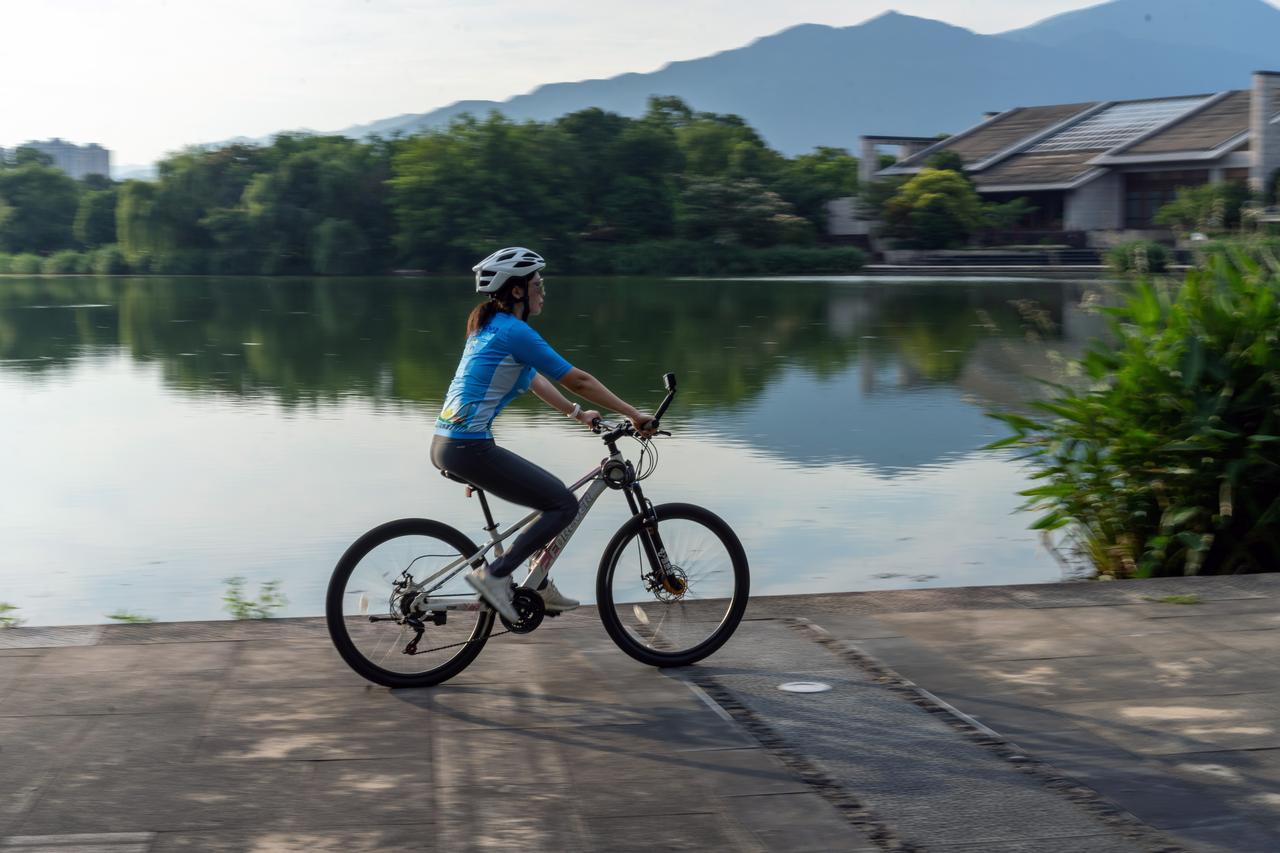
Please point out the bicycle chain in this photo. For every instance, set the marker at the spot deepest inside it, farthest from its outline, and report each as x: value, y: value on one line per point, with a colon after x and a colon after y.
x: 463, y: 643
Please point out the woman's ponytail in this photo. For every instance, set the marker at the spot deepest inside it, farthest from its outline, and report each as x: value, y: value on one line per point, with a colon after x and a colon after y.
x: 481, y: 315
x: 500, y: 301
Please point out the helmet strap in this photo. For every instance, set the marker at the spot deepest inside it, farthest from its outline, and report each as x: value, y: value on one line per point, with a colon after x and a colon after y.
x: 524, y: 300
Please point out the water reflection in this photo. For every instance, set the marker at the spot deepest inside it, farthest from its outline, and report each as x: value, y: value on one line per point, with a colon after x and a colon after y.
x: 166, y: 434
x: 883, y: 374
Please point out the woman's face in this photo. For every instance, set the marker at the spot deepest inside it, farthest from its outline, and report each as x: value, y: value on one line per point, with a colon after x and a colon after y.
x: 537, y: 294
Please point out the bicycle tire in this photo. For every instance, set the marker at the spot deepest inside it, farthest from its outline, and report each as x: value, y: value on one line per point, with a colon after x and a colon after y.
x: 629, y: 640
x: 337, y: 592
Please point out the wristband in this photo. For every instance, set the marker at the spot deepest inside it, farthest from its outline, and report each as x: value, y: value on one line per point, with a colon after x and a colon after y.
x: 577, y: 410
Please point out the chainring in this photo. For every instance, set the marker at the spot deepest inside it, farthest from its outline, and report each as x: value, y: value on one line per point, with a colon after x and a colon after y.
x: 529, y: 607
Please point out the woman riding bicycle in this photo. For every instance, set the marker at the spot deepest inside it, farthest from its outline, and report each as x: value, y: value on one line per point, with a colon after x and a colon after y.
x: 503, y: 358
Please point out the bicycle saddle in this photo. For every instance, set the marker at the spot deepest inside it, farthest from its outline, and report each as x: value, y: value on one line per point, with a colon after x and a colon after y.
x: 450, y: 475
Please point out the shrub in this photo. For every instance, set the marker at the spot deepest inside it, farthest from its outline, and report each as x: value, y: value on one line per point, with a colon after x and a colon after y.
x: 1140, y: 256
x: 6, y: 263
x: 25, y: 264
x: 109, y: 260
x: 179, y: 262
x: 1170, y: 463
x: 689, y: 257
x: 1261, y: 249
x: 7, y: 617
x: 66, y: 262
x: 793, y: 260
x: 129, y: 618
x: 269, y: 600
x: 1209, y: 207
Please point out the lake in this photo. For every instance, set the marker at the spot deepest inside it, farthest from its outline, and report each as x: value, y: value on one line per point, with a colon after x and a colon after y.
x: 163, y: 435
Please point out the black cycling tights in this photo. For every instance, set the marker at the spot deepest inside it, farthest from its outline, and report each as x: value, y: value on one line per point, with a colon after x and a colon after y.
x: 515, y: 479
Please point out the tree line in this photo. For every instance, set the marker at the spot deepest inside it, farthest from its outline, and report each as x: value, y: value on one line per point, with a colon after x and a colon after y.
x: 594, y: 190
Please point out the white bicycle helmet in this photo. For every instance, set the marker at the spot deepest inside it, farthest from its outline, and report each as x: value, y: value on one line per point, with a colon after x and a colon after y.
x: 493, y: 271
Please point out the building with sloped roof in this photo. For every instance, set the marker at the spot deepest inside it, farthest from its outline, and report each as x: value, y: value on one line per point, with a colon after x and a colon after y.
x: 1110, y: 165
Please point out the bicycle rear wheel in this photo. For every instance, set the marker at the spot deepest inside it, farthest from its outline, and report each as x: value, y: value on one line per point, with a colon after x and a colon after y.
x: 684, y: 620
x: 366, y: 614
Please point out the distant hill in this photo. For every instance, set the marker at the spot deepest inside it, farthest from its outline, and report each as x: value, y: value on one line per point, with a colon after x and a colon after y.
x: 896, y: 74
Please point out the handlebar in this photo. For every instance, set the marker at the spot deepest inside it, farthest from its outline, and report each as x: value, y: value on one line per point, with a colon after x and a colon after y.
x: 612, y: 432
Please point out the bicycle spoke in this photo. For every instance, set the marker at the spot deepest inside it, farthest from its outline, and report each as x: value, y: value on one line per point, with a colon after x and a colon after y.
x: 375, y: 583
x: 667, y: 621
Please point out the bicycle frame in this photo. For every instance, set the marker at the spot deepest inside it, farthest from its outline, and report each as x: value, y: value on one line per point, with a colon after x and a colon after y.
x: 542, y: 560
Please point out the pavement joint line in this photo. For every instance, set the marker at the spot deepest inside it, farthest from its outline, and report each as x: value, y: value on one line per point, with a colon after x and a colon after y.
x: 1108, y: 813
x: 715, y: 707
x: 856, y: 813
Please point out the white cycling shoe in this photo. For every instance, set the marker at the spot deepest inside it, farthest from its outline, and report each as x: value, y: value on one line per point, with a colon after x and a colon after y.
x: 495, y: 591
x: 555, y: 600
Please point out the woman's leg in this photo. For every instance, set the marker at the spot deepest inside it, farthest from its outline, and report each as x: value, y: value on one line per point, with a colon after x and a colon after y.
x: 512, y: 478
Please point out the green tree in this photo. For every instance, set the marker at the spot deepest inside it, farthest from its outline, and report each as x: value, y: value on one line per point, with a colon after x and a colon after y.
x: 95, y: 222
x: 732, y: 211
x: 339, y: 248
x: 946, y: 160
x: 668, y: 111
x: 43, y: 202
x: 27, y: 156
x: 935, y: 209
x: 811, y: 180
x: 238, y: 245
x: 459, y: 192
x: 725, y: 145
x: 875, y: 196
x: 142, y: 229
x: 1007, y: 215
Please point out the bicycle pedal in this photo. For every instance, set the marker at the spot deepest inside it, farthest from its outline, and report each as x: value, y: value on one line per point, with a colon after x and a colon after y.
x: 551, y: 614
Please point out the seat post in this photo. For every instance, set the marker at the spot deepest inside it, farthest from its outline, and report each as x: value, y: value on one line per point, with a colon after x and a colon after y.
x: 490, y: 524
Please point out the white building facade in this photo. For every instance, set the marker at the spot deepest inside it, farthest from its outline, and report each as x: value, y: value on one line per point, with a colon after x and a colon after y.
x: 77, y: 161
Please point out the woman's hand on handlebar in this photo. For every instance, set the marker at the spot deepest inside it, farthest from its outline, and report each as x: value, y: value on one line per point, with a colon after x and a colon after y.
x: 643, y: 422
x: 586, y: 416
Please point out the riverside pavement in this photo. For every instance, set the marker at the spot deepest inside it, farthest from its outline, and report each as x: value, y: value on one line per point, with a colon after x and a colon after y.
x: 1078, y: 718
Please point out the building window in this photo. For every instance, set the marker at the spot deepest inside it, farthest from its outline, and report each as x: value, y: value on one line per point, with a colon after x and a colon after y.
x: 1147, y: 192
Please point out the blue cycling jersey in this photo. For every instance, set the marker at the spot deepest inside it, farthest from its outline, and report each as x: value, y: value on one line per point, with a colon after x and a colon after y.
x: 497, y: 366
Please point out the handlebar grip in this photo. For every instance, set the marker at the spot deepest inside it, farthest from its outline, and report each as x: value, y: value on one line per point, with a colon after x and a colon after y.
x: 670, y: 379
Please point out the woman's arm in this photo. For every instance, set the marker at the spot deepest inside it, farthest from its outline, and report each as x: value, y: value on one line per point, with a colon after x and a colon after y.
x: 585, y: 385
x: 551, y: 395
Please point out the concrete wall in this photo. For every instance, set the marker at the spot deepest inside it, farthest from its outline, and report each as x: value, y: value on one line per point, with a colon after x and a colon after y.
x: 1264, y: 137
x: 1097, y: 205
x: 842, y: 218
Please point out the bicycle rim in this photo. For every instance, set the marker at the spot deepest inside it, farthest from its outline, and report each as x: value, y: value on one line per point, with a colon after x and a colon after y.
x: 680, y: 622
x: 367, y: 614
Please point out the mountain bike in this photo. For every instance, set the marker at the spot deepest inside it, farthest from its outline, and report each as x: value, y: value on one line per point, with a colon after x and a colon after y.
x: 671, y: 588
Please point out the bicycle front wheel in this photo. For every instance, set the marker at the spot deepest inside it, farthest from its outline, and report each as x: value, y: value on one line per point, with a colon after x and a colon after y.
x: 678, y: 617
x: 371, y: 619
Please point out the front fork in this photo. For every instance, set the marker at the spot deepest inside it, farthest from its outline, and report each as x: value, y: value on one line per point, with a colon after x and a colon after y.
x: 651, y: 540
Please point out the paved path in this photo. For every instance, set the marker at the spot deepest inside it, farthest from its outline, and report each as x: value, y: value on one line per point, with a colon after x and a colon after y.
x: 254, y: 736
x: 1171, y: 711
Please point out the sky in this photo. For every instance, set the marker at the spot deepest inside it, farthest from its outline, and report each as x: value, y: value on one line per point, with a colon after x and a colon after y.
x: 145, y: 77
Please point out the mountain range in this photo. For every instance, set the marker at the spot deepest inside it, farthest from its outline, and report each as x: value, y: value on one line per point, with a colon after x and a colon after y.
x: 895, y: 74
